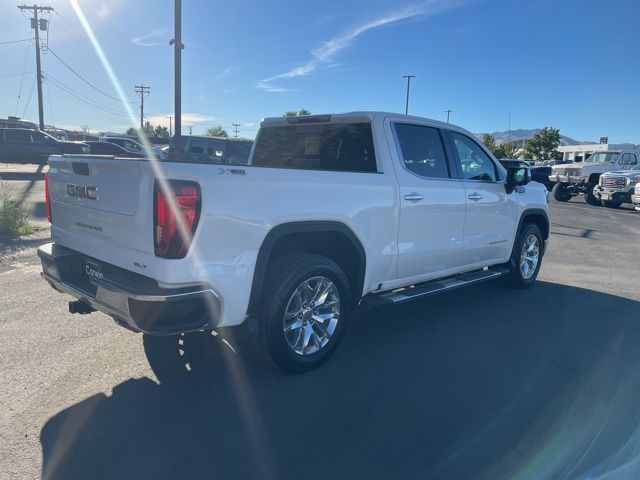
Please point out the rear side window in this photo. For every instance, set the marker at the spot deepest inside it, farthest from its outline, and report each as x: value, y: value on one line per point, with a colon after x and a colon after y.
x: 238, y: 152
x: 196, y: 147
x: 14, y: 135
x: 422, y: 151
x: 345, y: 147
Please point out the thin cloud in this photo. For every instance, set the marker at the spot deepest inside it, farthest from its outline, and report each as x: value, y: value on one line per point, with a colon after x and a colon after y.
x: 324, y: 54
x: 267, y: 87
x: 187, y: 118
x: 156, y: 38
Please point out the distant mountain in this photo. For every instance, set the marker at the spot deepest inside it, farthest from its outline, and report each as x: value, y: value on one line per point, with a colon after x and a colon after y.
x: 526, y: 134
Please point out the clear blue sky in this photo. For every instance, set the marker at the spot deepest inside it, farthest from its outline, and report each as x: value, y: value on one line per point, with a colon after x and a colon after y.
x: 572, y: 64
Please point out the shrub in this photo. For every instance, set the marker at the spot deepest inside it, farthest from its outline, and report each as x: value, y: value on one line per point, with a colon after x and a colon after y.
x: 13, y: 218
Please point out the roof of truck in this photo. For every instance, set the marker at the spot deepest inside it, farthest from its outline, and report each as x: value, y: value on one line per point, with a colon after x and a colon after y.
x: 352, y: 116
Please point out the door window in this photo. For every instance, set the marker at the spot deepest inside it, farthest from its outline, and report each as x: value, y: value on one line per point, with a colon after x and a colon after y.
x: 15, y: 135
x: 475, y: 163
x: 421, y: 150
x: 629, y: 159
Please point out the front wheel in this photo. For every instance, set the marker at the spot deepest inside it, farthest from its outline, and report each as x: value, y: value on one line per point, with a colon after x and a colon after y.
x: 526, y: 257
x: 590, y: 198
x: 304, y: 311
x: 560, y: 192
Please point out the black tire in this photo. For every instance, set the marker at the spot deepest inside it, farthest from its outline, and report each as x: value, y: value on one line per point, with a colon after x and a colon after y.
x: 516, y: 278
x: 560, y: 193
x: 590, y: 198
x: 286, y: 274
x: 610, y: 204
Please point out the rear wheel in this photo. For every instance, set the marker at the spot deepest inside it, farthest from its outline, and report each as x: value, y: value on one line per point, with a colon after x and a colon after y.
x: 526, y: 257
x: 610, y: 204
x: 561, y: 193
x: 304, y: 310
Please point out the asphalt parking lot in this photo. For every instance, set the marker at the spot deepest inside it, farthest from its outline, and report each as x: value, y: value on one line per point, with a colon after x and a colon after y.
x: 484, y: 382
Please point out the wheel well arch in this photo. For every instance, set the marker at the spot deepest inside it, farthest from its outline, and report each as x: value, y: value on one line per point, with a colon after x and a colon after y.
x: 594, y: 177
x: 332, y: 239
x: 538, y: 217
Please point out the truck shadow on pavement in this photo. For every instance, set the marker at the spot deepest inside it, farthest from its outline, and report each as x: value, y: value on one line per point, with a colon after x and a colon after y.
x: 478, y: 383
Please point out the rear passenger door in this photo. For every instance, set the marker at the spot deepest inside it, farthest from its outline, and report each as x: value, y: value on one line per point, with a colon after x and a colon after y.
x: 432, y: 204
x: 491, y: 212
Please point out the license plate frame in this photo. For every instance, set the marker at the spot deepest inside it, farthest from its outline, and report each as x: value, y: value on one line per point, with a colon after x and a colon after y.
x: 92, y: 272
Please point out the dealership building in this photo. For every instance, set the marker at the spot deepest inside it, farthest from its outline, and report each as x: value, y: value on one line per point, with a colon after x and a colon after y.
x: 577, y: 153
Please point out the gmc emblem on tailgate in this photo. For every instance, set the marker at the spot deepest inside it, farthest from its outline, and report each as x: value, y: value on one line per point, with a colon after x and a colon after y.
x: 82, y: 191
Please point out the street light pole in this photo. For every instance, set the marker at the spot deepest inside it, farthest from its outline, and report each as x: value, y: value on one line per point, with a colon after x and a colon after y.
x: 448, y: 112
x: 406, y: 106
x: 177, y: 48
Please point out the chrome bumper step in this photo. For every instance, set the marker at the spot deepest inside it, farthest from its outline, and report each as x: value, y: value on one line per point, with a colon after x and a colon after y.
x: 421, y: 290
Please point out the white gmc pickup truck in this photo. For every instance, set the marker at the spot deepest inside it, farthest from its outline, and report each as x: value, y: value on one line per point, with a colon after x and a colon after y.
x: 332, y: 211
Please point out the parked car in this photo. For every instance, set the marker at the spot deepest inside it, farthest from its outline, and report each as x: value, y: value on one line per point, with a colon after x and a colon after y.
x: 22, y: 145
x: 135, y: 147
x: 331, y: 211
x: 538, y: 174
x: 616, y: 188
x: 17, y: 122
x: 635, y: 198
x: 582, y: 178
x: 212, y: 150
x: 108, y: 148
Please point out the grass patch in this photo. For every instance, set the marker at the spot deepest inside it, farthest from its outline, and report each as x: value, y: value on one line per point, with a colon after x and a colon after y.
x: 14, y: 221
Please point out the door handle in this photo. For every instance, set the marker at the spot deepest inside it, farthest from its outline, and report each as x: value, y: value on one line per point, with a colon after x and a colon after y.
x: 413, y: 197
x: 475, y: 197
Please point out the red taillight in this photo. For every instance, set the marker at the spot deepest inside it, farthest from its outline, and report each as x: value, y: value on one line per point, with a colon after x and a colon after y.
x: 170, y: 241
x: 47, y: 198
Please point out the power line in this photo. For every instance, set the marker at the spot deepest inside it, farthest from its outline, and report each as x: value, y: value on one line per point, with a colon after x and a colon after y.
x: 24, y: 67
x: 84, y: 79
x: 16, y: 74
x: 83, y: 98
x: 15, y: 41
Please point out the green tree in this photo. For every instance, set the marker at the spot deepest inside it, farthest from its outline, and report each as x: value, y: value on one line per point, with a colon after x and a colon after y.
x: 489, y: 142
x: 217, y: 131
x: 161, y: 131
x: 544, y: 144
x: 507, y: 149
x: 131, y: 132
x: 302, y: 111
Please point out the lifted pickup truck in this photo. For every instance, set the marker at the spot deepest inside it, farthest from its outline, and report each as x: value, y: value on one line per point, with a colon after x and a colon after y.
x: 331, y: 211
x: 582, y: 178
x: 616, y: 188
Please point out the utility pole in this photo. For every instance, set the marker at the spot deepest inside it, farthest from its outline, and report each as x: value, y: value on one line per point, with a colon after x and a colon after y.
x: 406, y: 106
x: 141, y: 90
x: 236, y: 129
x: 448, y: 112
x: 170, y: 118
x: 177, y: 61
x: 42, y: 25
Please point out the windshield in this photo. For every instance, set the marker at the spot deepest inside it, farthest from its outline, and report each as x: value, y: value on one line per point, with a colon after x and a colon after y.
x: 603, y: 157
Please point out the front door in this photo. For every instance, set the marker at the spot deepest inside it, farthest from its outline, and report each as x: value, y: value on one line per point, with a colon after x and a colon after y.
x: 432, y: 204
x: 491, y: 212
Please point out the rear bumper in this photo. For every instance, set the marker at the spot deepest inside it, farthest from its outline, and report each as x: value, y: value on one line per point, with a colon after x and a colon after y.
x: 130, y: 298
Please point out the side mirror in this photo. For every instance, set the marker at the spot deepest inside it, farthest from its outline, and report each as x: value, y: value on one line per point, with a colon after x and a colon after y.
x: 516, y: 177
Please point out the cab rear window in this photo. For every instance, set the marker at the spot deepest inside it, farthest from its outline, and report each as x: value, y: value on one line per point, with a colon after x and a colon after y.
x: 344, y: 147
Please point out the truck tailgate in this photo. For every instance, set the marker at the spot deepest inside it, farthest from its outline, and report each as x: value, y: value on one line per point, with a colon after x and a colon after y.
x: 102, y: 206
